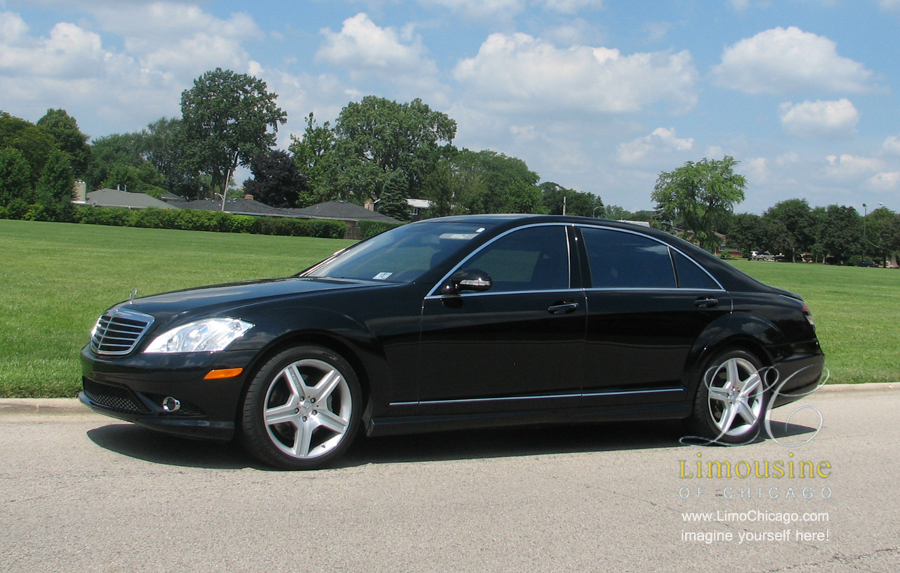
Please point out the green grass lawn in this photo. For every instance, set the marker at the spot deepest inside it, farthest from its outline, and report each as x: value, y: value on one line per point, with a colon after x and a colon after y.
x: 59, y: 277
x: 857, y: 313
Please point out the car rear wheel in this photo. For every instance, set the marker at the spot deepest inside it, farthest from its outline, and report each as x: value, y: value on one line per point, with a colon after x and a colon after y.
x: 730, y: 401
x: 302, y: 409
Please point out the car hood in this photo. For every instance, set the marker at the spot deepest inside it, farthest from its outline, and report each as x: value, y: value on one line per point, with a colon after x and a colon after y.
x: 212, y: 300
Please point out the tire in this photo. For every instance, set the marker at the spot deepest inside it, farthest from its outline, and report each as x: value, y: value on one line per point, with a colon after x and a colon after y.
x: 730, y: 401
x: 302, y: 409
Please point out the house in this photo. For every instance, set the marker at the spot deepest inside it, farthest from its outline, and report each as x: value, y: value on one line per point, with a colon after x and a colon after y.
x: 116, y: 198
x: 350, y: 213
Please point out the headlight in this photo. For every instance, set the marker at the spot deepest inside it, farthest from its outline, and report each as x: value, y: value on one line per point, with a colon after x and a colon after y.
x: 210, y: 335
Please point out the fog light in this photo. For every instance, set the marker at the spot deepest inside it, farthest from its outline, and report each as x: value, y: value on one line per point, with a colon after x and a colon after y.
x: 170, y: 404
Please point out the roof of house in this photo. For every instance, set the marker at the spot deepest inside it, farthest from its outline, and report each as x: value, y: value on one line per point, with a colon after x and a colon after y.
x: 116, y: 198
x: 342, y: 211
x: 237, y: 207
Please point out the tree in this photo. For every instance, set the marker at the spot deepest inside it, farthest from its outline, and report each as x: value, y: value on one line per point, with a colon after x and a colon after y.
x: 276, y: 180
x: 64, y: 130
x: 229, y: 118
x: 393, y: 199
x: 15, y: 177
x: 792, y: 226
x: 700, y: 197
x: 34, y: 143
x: 56, y: 185
x: 499, y: 183
x: 840, y: 232
x: 376, y: 137
x: 141, y: 179
x: 314, y: 158
x: 555, y: 196
x: 882, y: 233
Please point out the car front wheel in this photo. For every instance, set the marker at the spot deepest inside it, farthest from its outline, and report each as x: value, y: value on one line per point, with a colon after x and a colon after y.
x: 302, y: 409
x: 730, y: 401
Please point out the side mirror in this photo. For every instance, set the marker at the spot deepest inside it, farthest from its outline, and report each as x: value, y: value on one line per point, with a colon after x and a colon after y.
x: 473, y: 280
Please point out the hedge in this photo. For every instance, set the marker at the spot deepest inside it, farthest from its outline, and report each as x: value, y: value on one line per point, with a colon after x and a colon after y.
x: 183, y: 219
x: 371, y: 228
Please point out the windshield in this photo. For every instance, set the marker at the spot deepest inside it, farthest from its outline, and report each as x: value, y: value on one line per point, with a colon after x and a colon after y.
x: 400, y: 255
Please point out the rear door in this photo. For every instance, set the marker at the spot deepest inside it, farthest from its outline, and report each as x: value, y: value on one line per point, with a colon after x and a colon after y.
x: 647, y: 305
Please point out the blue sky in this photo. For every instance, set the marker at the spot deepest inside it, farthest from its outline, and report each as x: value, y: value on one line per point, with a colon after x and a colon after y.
x: 596, y: 95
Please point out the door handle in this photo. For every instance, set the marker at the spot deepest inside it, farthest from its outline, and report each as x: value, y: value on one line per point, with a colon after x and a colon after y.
x: 563, y: 308
x: 706, y: 302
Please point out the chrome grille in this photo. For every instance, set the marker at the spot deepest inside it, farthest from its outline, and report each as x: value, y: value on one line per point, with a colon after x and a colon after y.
x: 118, y: 332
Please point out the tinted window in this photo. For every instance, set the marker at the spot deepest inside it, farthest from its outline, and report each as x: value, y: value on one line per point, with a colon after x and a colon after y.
x: 399, y: 255
x: 623, y: 260
x: 536, y: 258
x: 692, y: 276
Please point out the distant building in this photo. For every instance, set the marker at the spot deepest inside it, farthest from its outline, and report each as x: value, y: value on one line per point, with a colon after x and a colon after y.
x: 116, y: 198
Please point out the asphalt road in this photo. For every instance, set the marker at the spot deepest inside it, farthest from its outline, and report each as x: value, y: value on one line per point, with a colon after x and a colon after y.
x: 80, y: 492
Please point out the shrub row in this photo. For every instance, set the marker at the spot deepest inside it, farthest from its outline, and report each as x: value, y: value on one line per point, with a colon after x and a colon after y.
x: 371, y: 228
x: 184, y: 219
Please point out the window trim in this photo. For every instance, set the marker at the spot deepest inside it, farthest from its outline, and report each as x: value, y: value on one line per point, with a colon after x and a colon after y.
x: 565, y: 226
x: 677, y: 288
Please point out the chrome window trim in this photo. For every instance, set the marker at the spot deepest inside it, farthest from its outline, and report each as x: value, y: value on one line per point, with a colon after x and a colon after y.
x: 541, y: 397
x: 431, y: 294
x: 665, y: 244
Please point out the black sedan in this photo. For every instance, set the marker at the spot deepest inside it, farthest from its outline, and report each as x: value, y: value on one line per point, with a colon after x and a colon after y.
x: 460, y: 322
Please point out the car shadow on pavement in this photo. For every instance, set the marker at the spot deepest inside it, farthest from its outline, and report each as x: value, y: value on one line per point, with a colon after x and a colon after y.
x: 139, y: 443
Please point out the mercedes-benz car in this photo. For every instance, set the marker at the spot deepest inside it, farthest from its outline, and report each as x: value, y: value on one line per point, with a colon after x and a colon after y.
x: 459, y: 322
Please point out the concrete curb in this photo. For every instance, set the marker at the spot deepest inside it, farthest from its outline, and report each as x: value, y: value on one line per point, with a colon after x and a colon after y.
x: 71, y: 406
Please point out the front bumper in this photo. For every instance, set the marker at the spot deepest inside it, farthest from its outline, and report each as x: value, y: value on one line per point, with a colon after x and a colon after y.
x: 135, y: 388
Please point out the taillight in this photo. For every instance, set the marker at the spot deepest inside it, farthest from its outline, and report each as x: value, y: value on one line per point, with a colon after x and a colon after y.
x: 808, y: 314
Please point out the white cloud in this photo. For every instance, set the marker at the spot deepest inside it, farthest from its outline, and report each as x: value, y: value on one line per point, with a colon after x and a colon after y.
x: 660, y: 140
x: 521, y: 73
x: 890, y: 5
x: 164, y: 47
x: 789, y: 60
x: 365, y: 48
x: 850, y: 166
x: 891, y: 145
x: 886, y: 181
x: 69, y: 52
x: 819, y: 118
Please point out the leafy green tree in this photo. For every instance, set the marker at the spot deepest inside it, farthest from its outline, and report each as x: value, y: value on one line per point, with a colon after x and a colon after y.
x: 56, y: 185
x: 229, y: 118
x: 393, y: 199
x: 276, y: 180
x: 449, y: 189
x: 34, y: 143
x: 882, y: 233
x: 792, y: 225
x: 15, y: 177
x: 64, y: 130
x: 164, y: 145
x: 747, y: 232
x: 376, y: 137
x: 498, y: 183
x: 141, y: 179
x: 700, y: 197
x: 840, y: 232
x: 617, y: 213
x: 577, y: 203
x: 313, y: 154
x: 111, y: 151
